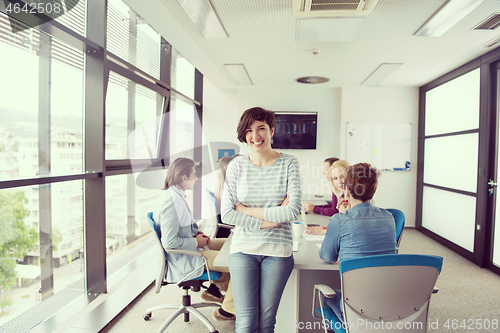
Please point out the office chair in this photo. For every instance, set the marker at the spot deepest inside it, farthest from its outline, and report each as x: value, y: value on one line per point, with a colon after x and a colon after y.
x: 195, y: 284
x: 222, y: 230
x: 399, y: 218
x: 384, y: 293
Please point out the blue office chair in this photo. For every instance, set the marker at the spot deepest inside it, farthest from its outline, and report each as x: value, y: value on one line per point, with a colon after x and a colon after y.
x: 399, y: 218
x: 385, y: 293
x: 195, y: 284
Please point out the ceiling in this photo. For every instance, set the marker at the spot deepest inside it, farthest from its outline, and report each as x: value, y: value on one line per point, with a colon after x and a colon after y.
x: 262, y: 37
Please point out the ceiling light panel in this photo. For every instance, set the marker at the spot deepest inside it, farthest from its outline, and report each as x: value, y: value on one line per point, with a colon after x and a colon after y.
x: 382, y: 72
x: 203, y: 16
x: 239, y: 74
x: 328, y: 29
x: 446, y: 17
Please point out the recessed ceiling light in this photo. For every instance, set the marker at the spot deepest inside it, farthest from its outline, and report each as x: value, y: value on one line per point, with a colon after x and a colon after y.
x: 382, y: 71
x: 338, y: 29
x: 239, y: 74
x: 204, y: 17
x: 446, y: 17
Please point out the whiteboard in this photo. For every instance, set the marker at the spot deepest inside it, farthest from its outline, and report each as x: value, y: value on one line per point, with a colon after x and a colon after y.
x: 386, y: 146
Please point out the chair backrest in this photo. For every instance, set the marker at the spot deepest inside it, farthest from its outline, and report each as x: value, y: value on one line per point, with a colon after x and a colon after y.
x: 399, y: 218
x: 160, y: 278
x: 392, y: 290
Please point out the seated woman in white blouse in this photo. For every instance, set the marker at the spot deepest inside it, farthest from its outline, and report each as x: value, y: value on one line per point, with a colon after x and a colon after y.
x: 180, y: 231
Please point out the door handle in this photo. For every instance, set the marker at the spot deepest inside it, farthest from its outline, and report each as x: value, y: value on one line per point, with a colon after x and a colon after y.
x: 492, y: 183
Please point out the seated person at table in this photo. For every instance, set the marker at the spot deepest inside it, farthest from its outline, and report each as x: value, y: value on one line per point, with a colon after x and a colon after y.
x: 328, y: 209
x: 221, y: 178
x: 337, y: 172
x: 363, y: 230
x: 180, y: 231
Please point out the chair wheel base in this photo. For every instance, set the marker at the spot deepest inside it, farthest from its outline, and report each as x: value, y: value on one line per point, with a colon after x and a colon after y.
x: 147, y: 316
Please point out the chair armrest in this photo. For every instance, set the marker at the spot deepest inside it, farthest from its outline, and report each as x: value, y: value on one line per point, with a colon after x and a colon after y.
x: 436, y: 290
x: 325, y: 290
x: 191, y: 253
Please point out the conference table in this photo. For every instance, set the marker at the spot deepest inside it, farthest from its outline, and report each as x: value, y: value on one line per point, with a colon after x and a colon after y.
x: 295, y: 310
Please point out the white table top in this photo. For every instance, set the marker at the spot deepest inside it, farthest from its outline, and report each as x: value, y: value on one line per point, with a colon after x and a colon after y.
x: 307, y: 256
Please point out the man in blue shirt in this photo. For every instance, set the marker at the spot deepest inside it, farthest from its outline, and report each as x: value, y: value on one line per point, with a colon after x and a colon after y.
x: 363, y: 230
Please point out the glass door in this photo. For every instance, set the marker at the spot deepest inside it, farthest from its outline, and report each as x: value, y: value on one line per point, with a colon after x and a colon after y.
x: 493, y: 188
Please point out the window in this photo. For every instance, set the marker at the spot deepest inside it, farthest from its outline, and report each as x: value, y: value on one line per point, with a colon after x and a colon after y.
x: 26, y: 103
x: 127, y: 206
x: 131, y: 119
x: 182, y: 78
x: 448, y: 139
x: 131, y: 39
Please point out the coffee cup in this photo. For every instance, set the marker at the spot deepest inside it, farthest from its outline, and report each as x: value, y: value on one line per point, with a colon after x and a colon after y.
x: 298, y: 229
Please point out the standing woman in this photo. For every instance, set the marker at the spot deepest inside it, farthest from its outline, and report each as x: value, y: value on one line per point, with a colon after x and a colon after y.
x: 260, y: 257
x: 180, y: 231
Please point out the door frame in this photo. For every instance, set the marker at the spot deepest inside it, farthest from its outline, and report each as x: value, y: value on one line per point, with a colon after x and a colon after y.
x: 489, y: 65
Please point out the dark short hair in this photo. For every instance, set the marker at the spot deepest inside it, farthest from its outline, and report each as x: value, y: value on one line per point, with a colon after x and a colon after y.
x: 331, y: 160
x: 361, y: 179
x: 249, y: 116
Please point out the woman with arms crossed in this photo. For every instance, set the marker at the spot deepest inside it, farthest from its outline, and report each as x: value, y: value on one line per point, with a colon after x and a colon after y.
x: 180, y: 231
x: 260, y: 257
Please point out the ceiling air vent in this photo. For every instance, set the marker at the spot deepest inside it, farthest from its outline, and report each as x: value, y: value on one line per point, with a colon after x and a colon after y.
x: 312, y: 79
x: 329, y: 8
x: 494, y: 42
x: 490, y: 23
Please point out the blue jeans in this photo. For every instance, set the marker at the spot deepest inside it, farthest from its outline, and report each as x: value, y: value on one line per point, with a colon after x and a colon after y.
x: 335, y: 304
x: 258, y: 283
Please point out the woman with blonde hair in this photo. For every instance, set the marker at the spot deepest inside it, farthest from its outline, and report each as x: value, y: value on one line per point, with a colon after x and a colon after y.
x: 337, y: 172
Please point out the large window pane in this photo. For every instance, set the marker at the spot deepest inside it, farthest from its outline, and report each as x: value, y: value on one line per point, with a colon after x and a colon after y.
x: 132, y: 39
x: 182, y: 78
x: 453, y: 106
x: 21, y: 105
x: 182, y: 126
x: 19, y: 276
x: 127, y: 228
x: 23, y: 217
x: 18, y: 114
x: 126, y: 99
x: 74, y: 18
x: 66, y: 110
x: 451, y: 161
x: 449, y: 215
x: 148, y: 49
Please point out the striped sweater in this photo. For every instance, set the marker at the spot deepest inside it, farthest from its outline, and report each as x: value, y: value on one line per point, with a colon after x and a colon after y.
x: 262, y: 187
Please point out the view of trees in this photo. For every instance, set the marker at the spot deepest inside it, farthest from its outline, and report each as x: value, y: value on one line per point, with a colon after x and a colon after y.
x: 16, y: 239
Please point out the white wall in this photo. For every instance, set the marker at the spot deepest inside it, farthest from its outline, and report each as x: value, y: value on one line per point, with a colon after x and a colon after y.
x: 335, y: 107
x: 396, y: 189
x: 223, y: 108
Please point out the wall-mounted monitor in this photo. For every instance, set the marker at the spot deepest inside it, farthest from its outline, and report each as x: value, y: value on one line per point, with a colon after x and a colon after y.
x: 295, y: 130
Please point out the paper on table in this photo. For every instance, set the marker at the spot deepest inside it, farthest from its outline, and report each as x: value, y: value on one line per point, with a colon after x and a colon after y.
x: 295, y: 246
x: 314, y: 238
